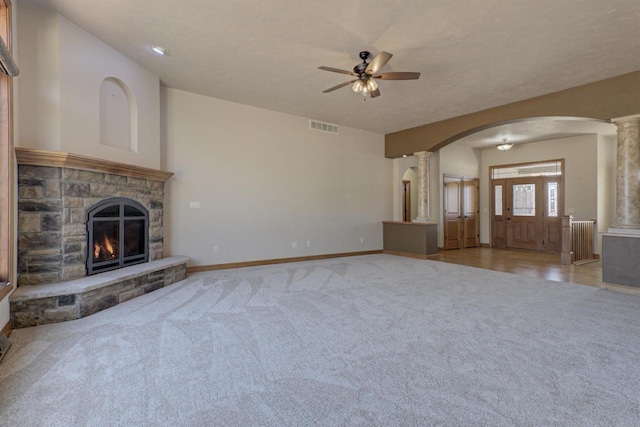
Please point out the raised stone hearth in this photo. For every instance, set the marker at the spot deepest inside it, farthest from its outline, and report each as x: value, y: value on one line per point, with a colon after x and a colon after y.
x: 59, y: 302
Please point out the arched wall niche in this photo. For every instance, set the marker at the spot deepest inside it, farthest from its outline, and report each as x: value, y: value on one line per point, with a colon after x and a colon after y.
x: 118, y: 115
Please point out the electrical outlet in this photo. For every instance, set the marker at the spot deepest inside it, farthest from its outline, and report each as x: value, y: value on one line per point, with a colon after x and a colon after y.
x: 194, y: 205
x: 294, y: 244
x: 362, y: 240
x: 308, y: 243
x: 215, y: 249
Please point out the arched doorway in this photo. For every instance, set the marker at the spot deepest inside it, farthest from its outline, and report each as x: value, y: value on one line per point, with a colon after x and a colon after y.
x: 410, y: 194
x: 587, y: 148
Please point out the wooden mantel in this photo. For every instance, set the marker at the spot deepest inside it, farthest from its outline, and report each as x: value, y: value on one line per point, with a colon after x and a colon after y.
x: 30, y: 156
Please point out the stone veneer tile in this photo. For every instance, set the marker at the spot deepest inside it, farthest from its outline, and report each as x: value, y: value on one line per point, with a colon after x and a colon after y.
x: 29, y: 222
x: 136, y: 182
x: 66, y: 300
x: 76, y: 189
x: 155, y: 185
x: 73, y: 202
x: 94, y: 304
x: 52, y: 188
x: 90, y: 201
x: 39, y: 240
x: 30, y: 192
x: 37, y: 278
x: 51, y: 222
x: 127, y: 295
x: 117, y: 179
x: 73, y: 272
x: 28, y: 171
x: 43, y: 268
x: 80, y: 175
x: 22, y: 181
x: 74, y: 230
x: 102, y: 190
x: 61, y: 314
x: 40, y: 257
x: 48, y: 205
x: 70, y: 247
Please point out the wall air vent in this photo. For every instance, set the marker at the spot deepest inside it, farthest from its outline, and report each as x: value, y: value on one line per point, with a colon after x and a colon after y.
x: 324, y: 127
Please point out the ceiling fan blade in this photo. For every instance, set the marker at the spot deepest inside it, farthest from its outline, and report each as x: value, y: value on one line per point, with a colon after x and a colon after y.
x: 375, y: 93
x: 337, y: 70
x: 378, y: 62
x: 331, y: 89
x: 397, y: 76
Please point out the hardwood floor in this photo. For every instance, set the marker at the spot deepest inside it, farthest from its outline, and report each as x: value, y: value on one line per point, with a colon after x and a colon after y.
x: 525, y: 263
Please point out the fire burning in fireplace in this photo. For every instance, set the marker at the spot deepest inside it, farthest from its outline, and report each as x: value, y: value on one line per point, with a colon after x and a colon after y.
x: 105, y: 250
x: 117, y: 234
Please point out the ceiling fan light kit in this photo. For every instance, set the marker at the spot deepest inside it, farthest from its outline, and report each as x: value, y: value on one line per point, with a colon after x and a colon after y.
x: 367, y: 73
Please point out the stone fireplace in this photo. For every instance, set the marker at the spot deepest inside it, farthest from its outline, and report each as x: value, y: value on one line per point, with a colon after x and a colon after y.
x: 53, y: 205
x: 78, y: 217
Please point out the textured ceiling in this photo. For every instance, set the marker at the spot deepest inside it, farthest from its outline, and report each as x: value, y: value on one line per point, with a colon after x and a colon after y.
x: 472, y: 55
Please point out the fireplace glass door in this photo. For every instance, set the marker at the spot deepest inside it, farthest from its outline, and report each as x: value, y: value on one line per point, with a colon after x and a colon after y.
x: 117, y: 235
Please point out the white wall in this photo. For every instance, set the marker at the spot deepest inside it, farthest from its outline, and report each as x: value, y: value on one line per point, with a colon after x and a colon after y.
x: 264, y: 180
x: 456, y: 159
x: 62, y: 68
x: 580, y: 180
x: 37, y: 88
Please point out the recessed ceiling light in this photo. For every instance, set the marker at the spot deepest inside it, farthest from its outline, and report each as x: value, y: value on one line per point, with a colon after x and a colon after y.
x: 160, y: 50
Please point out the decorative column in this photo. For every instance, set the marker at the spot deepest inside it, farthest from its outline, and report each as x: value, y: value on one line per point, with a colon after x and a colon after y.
x: 628, y: 176
x: 424, y: 214
x: 621, y: 245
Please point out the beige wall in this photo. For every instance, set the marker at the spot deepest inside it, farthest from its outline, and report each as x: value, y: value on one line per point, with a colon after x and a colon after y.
x: 580, y: 180
x: 263, y: 180
x: 57, y: 97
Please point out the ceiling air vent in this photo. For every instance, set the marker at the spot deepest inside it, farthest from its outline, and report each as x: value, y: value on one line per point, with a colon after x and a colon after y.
x: 324, y: 127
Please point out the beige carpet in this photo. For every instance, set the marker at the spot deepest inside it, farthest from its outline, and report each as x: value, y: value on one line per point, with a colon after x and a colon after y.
x: 371, y: 340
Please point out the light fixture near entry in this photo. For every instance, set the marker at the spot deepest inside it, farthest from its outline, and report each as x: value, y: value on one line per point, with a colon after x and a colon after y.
x: 505, y: 145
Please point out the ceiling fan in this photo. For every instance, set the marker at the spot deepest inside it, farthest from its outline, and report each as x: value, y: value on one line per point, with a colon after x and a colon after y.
x: 367, y: 73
